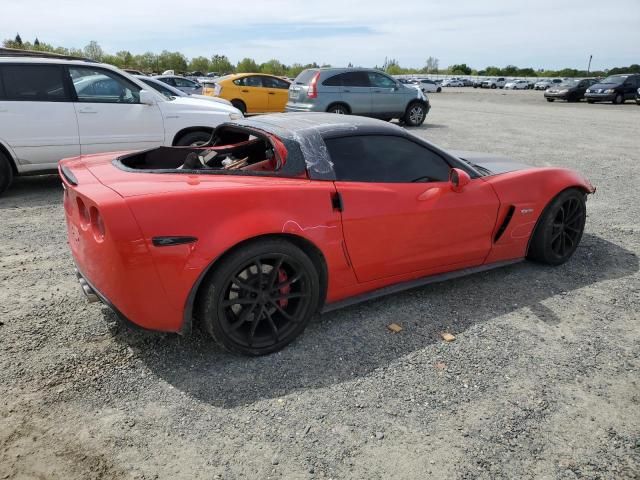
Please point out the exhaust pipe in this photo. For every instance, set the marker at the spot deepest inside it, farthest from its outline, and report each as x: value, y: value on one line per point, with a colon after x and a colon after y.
x: 86, y: 289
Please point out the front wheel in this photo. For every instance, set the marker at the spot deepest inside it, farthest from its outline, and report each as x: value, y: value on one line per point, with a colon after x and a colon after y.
x: 494, y: 86
x: 559, y: 229
x: 260, y: 298
x: 619, y: 100
x: 550, y: 99
x: 6, y: 173
x: 338, y: 109
x: 440, y: 89
x: 415, y: 114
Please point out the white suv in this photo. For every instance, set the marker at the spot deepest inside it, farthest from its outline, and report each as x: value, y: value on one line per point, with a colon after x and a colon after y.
x: 51, y: 109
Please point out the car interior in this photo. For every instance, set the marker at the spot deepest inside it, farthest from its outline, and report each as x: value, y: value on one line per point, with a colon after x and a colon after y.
x: 227, y: 150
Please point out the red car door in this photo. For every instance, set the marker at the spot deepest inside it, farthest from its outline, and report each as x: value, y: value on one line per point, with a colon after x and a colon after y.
x: 400, y: 214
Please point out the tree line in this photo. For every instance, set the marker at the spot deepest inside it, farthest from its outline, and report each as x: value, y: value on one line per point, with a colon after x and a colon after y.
x: 159, y: 62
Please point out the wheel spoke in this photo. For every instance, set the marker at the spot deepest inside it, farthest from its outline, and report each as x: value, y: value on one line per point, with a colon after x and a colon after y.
x: 283, y: 313
x: 288, y: 282
x: 274, y: 273
x: 238, y: 301
x: 573, y: 229
x: 244, y: 314
x: 254, y: 325
x: 288, y: 296
x: 274, y: 329
x: 243, y: 285
x: 570, y: 240
x: 574, y: 218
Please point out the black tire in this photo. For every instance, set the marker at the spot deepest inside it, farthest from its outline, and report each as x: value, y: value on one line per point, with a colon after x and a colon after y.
x: 338, y: 108
x: 559, y: 229
x: 6, y: 173
x: 415, y: 114
x: 440, y: 89
x: 590, y: 101
x: 619, y: 100
x: 494, y: 86
x: 550, y: 99
x: 251, y: 278
x: 194, y: 139
x: 240, y: 105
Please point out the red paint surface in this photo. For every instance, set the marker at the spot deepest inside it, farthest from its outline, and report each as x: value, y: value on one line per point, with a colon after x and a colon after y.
x: 387, y: 233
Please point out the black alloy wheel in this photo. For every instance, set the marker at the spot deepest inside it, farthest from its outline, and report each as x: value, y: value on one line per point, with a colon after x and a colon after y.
x: 261, y: 298
x: 560, y: 229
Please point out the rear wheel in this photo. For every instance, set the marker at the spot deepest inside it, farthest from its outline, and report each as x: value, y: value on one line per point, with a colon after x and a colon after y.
x: 440, y: 89
x: 415, y: 114
x: 494, y: 86
x: 260, y: 298
x: 194, y: 139
x: 550, y: 99
x: 240, y: 105
x: 6, y: 173
x: 560, y: 228
x: 590, y: 101
x: 338, y: 108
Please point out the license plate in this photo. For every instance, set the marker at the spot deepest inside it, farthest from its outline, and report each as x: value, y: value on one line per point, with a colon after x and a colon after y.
x: 293, y: 94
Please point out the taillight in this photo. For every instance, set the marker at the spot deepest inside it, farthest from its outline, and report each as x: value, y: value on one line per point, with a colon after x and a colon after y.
x: 97, y: 225
x: 313, y: 86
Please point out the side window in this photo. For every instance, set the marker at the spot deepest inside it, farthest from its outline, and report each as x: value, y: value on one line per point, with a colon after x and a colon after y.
x: 2, y: 96
x: 355, y: 79
x: 95, y: 85
x: 183, y: 82
x: 385, y: 159
x: 35, y: 83
x: 272, y: 82
x: 159, y: 87
x: 379, y: 80
x: 335, y: 81
x: 168, y: 81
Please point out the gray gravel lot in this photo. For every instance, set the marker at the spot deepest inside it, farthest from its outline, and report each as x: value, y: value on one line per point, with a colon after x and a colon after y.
x: 541, y: 381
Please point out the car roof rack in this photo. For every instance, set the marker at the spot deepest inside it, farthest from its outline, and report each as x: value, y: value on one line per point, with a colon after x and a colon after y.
x: 16, y: 52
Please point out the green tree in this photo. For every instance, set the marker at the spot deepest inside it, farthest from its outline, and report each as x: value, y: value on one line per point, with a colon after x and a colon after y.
x: 93, y: 51
x: 36, y: 43
x: 247, y: 65
x: 18, y: 39
x: 147, y: 62
x: 221, y: 65
x: 200, y: 64
x: 273, y: 67
x: 124, y: 59
x: 172, y: 61
x: 492, y: 71
x: 294, y: 70
x: 460, y: 69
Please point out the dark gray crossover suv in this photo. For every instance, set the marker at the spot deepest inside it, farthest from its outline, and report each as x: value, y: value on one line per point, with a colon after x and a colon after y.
x: 357, y: 91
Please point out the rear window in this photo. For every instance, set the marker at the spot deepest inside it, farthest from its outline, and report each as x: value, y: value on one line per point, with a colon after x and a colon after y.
x: 42, y: 83
x: 305, y: 77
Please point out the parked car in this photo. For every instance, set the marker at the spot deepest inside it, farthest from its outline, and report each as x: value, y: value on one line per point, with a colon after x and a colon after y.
x: 544, y: 84
x: 517, y: 85
x: 301, y: 194
x: 615, y: 88
x: 181, y: 83
x: 52, y: 109
x: 131, y: 71
x: 499, y: 82
x: 638, y: 96
x: 169, y: 91
x: 365, y: 92
x: 466, y: 82
x: 252, y: 92
x: 569, y: 90
x: 429, y: 86
x: 452, y: 82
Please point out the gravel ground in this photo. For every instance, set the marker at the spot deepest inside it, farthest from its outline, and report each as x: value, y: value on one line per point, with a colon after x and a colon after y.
x: 541, y: 381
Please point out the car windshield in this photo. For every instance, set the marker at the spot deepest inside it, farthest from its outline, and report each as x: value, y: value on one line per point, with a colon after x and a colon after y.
x: 614, y: 79
x: 570, y: 83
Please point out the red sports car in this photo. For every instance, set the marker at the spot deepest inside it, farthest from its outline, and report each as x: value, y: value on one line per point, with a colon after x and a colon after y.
x: 282, y: 216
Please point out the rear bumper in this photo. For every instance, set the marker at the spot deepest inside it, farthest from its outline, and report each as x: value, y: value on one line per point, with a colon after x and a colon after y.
x: 560, y: 96
x: 303, y: 107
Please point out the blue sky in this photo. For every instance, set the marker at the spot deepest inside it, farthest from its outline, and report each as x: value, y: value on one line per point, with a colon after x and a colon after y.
x: 544, y: 33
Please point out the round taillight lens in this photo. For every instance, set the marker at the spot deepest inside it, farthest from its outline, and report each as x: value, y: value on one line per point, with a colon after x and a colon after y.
x: 97, y: 224
x: 84, y: 214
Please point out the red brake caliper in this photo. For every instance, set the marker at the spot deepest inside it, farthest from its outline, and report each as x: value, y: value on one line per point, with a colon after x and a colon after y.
x: 282, y: 277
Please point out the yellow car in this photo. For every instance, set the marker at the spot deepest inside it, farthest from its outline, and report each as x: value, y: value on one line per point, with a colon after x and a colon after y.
x: 251, y: 92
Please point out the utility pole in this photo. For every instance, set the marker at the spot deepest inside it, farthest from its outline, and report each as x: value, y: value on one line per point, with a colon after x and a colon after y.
x: 589, y: 66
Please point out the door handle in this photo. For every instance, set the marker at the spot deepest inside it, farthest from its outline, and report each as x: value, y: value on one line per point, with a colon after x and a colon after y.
x: 272, y: 93
x: 347, y: 91
x: 87, y: 110
x: 3, y: 110
x: 245, y: 91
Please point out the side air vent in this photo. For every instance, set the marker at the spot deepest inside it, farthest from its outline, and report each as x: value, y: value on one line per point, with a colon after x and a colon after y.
x: 505, y: 223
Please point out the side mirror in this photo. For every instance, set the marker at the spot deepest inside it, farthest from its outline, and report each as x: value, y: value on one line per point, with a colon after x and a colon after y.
x: 458, y: 179
x: 147, y: 98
